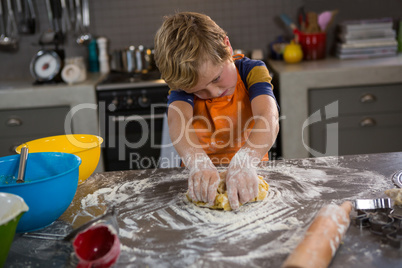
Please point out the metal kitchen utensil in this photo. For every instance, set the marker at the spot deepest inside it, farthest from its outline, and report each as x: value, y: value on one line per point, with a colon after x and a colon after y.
x: 85, y: 13
x: 54, y: 35
x: 378, y: 216
x: 65, y: 17
x: 57, y: 17
x: 133, y: 59
x: 71, y: 8
x: 11, y: 28
x: 78, y: 17
x: 395, y: 238
x: 32, y: 18
x: 128, y: 59
x: 22, y: 23
x: 48, y: 37
x: 147, y: 60
x: 397, y: 178
x: 110, y: 213
x: 372, y: 204
x: 82, y: 22
x: 360, y: 219
x: 378, y: 221
x: 26, y: 17
x: 2, y: 28
x: 9, y: 40
x: 22, y: 165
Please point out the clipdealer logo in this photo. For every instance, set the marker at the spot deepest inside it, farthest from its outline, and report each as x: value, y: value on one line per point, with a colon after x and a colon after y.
x: 145, y: 128
x: 331, y: 111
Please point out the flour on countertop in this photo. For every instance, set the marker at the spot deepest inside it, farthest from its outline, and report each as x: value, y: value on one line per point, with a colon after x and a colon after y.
x: 160, y: 227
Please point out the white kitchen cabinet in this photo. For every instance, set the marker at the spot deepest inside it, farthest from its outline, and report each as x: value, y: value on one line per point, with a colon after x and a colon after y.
x: 330, y: 78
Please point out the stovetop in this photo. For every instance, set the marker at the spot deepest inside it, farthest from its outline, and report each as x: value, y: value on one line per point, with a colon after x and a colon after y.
x: 116, y: 80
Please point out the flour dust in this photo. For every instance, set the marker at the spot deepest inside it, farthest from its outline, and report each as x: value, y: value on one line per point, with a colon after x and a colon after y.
x: 159, y: 227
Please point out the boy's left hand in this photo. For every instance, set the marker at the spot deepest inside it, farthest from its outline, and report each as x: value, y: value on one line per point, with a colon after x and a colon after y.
x: 242, y: 185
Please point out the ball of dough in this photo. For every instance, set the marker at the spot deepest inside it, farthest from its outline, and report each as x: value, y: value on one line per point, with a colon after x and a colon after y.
x: 396, y: 195
x: 221, y: 199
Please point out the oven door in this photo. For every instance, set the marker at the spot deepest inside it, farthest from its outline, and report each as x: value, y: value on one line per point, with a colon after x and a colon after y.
x: 134, y: 140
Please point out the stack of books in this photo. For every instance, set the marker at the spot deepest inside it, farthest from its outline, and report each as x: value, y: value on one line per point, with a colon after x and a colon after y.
x: 366, y: 39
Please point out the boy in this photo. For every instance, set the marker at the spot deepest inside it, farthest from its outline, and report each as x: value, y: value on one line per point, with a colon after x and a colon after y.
x: 221, y: 109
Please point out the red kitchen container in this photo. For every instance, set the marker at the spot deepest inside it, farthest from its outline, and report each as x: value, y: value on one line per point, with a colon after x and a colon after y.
x: 313, y: 45
x: 98, y: 246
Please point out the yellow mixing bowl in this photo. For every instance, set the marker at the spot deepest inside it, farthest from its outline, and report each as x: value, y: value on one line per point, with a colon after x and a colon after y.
x: 87, y: 147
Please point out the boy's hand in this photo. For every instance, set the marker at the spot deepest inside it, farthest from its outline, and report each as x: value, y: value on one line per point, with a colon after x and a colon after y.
x: 203, y: 182
x: 242, y: 179
x: 242, y: 185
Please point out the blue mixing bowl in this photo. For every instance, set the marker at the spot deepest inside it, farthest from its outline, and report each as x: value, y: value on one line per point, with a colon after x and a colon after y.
x: 51, y: 180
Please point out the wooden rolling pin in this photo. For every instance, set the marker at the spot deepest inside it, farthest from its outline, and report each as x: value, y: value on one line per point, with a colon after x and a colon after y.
x: 322, y: 238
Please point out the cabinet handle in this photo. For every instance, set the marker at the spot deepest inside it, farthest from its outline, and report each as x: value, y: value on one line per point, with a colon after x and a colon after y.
x: 14, y: 122
x: 13, y: 148
x: 368, y: 122
x: 368, y: 98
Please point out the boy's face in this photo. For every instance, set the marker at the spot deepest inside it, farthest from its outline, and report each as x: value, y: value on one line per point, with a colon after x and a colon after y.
x: 215, y: 80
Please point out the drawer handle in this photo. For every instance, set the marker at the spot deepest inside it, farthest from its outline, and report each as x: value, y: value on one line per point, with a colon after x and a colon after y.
x: 14, y: 122
x: 367, y: 98
x: 368, y: 122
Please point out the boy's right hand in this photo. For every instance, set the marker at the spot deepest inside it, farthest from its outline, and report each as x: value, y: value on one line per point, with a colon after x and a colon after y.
x: 203, y: 183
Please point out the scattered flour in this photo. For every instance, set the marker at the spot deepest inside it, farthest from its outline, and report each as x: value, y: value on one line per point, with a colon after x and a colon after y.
x: 159, y: 227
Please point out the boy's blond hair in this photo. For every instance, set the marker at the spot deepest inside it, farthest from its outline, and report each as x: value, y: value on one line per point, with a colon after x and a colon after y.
x: 183, y: 42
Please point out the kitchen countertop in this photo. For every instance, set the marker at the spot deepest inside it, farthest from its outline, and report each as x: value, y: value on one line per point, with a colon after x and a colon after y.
x: 158, y: 227
x: 295, y: 80
x: 334, y: 64
x: 20, y: 94
x: 23, y: 94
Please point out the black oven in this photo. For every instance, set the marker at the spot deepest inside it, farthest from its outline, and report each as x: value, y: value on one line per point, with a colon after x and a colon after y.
x: 131, y: 116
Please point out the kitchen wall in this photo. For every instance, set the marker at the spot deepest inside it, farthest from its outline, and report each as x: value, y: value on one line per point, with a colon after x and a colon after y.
x: 251, y: 24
